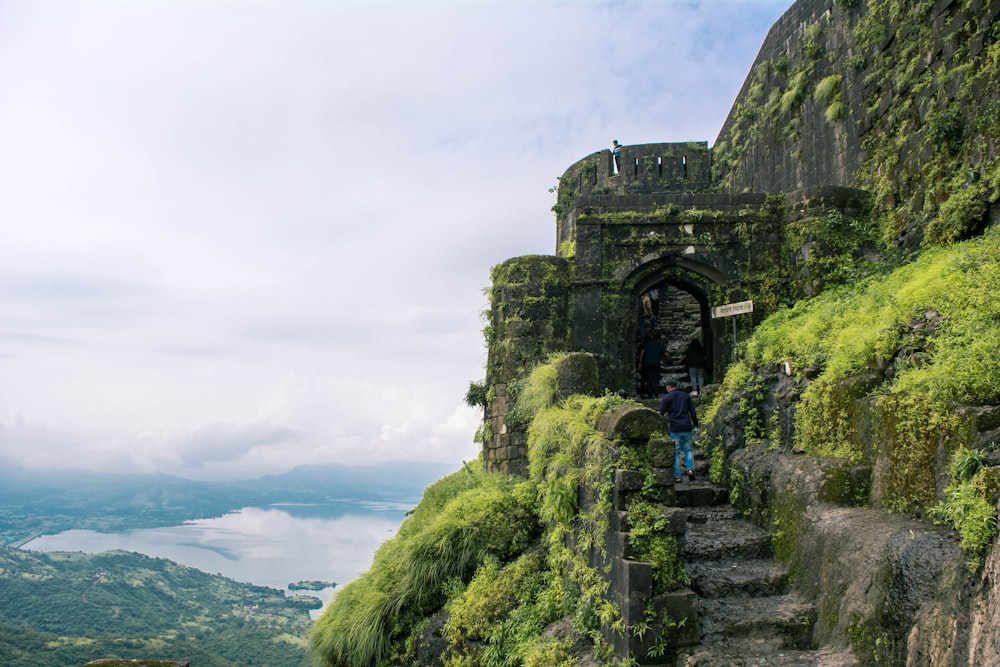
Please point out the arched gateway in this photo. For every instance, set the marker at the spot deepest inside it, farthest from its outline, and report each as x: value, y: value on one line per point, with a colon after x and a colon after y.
x: 645, y: 250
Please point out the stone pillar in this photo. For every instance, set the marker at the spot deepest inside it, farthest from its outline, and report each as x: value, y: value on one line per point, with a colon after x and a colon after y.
x: 528, y: 322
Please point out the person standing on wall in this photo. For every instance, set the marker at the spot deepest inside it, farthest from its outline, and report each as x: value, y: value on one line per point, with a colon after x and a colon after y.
x: 694, y: 357
x: 616, y: 151
x: 683, y: 420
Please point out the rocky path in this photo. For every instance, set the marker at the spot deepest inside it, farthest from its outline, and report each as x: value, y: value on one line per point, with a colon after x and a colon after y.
x: 747, y: 614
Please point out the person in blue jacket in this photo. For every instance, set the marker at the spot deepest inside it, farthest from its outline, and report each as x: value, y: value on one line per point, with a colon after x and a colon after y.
x: 683, y: 419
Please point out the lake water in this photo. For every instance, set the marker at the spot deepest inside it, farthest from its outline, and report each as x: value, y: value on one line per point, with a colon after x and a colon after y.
x: 271, y: 546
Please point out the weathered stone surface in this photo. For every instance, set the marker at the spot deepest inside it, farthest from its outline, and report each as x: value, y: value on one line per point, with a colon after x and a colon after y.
x: 719, y: 539
x: 577, y: 374
x: 738, y: 576
x: 660, y: 454
x: 628, y: 480
x: 886, y: 574
x: 632, y: 576
x: 984, y: 604
x: 630, y: 423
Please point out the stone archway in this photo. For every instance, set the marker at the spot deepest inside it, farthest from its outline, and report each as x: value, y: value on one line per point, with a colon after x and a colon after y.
x: 683, y: 311
x: 675, y: 315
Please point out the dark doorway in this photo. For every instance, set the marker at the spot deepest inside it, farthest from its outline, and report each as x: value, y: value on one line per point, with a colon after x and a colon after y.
x: 669, y: 315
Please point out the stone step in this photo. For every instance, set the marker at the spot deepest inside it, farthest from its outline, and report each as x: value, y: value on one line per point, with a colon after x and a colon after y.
x: 750, y: 652
x: 786, y: 620
x: 706, y: 513
x: 737, y: 577
x: 699, y: 493
x: 747, y: 616
x: 715, y: 535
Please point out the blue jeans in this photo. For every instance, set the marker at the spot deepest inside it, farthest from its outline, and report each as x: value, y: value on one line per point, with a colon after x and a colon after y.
x: 697, y: 376
x: 682, y: 441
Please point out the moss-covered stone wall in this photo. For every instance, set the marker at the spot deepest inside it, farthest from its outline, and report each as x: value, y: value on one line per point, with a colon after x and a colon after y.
x: 897, y: 97
x: 528, y: 321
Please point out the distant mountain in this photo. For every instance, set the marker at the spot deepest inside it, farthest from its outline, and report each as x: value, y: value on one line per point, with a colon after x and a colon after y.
x: 384, y: 480
x: 34, y: 502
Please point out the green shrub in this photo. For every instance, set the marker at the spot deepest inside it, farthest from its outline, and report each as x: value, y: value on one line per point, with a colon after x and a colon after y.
x: 970, y: 503
x: 828, y: 89
x: 463, y: 521
x: 855, y: 61
x: 492, y: 595
x: 652, y: 544
x: 961, y: 213
x: 835, y: 112
x: 945, y: 128
x: 793, y: 96
x: 476, y: 396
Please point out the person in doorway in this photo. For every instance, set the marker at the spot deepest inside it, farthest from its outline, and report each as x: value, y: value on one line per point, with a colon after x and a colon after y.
x: 650, y: 358
x: 647, y: 306
x: 682, y: 418
x: 616, y: 151
x: 694, y: 357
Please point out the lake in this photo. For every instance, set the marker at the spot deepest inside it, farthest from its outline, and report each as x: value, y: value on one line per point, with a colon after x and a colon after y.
x: 271, y: 546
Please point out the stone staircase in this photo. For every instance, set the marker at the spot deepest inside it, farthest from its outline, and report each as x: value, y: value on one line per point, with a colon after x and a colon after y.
x: 748, y: 617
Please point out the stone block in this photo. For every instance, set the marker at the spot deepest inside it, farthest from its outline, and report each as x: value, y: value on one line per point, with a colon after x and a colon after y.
x: 618, y: 543
x: 634, y: 609
x: 628, y: 480
x: 577, y: 374
x: 676, y: 518
x: 665, y: 475
x: 698, y: 495
x: 660, y: 452
x: 630, y: 423
x: 632, y: 577
x: 681, y: 607
x: 620, y: 499
x: 667, y: 495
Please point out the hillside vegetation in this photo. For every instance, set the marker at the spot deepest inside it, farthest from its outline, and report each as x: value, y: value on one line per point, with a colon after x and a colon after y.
x: 70, y: 608
x: 921, y: 348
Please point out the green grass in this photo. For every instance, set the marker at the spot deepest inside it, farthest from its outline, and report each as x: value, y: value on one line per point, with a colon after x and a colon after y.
x: 846, y: 331
x: 929, y: 336
x: 464, y: 520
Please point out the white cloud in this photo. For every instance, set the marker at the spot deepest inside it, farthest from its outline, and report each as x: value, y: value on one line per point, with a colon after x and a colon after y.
x: 242, y: 236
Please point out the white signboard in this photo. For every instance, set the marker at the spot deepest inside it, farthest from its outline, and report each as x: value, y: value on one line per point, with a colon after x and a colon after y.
x: 733, y: 309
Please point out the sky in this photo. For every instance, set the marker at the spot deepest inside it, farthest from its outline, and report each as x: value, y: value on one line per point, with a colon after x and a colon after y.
x: 238, y: 236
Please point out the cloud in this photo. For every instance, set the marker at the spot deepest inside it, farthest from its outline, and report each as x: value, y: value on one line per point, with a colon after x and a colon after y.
x: 227, y: 442
x: 239, y: 237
